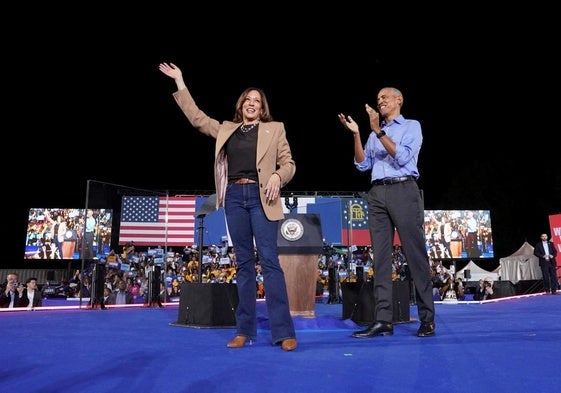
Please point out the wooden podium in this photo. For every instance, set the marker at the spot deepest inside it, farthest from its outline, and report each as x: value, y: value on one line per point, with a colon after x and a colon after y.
x: 300, y: 272
x: 300, y: 242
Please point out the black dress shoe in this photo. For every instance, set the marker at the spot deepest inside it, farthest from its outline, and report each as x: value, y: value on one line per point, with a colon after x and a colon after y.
x: 426, y: 329
x: 379, y: 328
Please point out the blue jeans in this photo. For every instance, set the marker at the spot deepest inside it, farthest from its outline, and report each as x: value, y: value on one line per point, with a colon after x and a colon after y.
x: 246, y: 220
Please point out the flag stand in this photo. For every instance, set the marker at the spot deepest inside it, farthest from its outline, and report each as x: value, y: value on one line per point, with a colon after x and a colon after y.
x: 206, y: 208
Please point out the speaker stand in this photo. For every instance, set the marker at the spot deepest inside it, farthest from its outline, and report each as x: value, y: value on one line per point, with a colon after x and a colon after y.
x: 207, y: 305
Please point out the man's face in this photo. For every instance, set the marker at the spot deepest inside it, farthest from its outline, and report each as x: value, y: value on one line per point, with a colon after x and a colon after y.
x: 388, y: 102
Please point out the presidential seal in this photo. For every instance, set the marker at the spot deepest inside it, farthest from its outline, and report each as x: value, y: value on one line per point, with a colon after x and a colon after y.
x: 292, y: 230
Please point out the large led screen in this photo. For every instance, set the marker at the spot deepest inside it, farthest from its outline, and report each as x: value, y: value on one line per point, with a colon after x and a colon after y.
x: 65, y: 233
x: 452, y: 234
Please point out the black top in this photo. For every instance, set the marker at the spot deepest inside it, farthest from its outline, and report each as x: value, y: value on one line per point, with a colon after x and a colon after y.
x: 241, y: 150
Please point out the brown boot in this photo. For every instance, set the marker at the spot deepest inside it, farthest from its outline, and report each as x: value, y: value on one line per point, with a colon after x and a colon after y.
x: 237, y: 342
x: 289, y: 344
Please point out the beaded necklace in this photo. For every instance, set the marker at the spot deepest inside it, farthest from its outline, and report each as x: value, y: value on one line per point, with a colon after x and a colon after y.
x: 246, y: 128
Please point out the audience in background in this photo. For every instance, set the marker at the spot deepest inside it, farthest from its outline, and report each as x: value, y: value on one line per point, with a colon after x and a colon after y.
x: 106, y: 294
x: 121, y: 295
x: 86, y: 288
x: 436, y: 283
x: 182, y: 269
x: 12, y: 293
x: 484, y: 289
x: 452, y: 290
x: 32, y: 293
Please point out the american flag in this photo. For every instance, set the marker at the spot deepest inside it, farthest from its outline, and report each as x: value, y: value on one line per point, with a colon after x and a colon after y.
x: 158, y: 221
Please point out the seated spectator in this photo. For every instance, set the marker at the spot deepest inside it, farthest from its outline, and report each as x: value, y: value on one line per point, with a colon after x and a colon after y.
x: 86, y: 288
x: 134, y: 287
x: 484, y: 289
x: 32, y: 293
x: 436, y: 284
x: 121, y: 295
x: 461, y: 288
x: 107, y: 292
x: 12, y: 293
x: 175, y: 294
x: 452, y: 290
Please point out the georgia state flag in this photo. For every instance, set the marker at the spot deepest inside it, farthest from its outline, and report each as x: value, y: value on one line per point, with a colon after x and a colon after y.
x: 355, y: 222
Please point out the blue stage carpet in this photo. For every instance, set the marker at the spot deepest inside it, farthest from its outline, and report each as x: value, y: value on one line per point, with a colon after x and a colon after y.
x: 507, y: 346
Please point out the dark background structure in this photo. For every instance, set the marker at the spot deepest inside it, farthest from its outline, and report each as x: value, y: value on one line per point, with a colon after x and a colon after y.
x: 88, y: 102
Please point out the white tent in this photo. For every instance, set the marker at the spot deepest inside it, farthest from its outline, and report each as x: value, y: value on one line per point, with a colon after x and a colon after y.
x: 476, y: 273
x: 522, y: 265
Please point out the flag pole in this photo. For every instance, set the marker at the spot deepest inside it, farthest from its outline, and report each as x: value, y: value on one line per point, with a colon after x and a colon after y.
x: 206, y: 208
x: 83, y: 242
x: 350, y: 235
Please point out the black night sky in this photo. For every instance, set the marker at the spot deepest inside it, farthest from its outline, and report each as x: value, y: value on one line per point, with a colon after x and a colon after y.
x: 90, y: 103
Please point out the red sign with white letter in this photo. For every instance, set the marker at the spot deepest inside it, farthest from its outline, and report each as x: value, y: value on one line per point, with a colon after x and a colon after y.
x: 555, y: 224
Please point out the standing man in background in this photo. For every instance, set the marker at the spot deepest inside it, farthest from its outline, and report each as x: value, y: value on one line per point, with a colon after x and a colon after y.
x: 546, y: 253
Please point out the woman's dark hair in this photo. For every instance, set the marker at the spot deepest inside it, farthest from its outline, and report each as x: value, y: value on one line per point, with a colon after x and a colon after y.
x: 265, y: 114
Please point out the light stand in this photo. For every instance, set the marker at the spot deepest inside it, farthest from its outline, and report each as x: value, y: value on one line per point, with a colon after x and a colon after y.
x: 200, y: 248
x: 206, y: 208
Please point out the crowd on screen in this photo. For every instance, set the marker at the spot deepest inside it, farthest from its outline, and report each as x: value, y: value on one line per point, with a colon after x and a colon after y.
x: 59, y: 233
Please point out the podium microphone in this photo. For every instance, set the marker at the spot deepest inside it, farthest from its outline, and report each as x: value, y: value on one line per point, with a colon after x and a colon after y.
x: 293, y: 205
